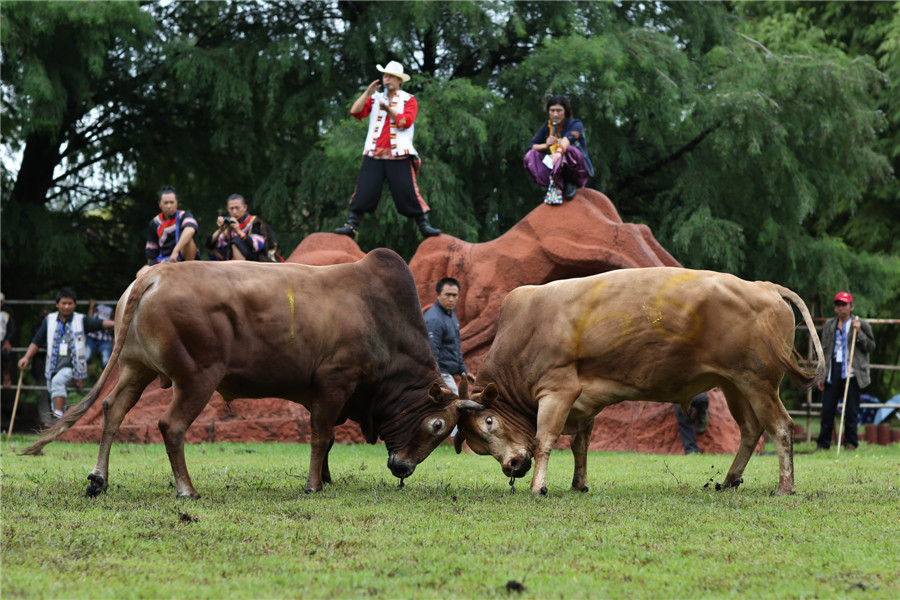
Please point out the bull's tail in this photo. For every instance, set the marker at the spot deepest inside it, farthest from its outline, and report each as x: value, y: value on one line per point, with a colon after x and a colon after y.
x: 123, y: 321
x: 805, y: 378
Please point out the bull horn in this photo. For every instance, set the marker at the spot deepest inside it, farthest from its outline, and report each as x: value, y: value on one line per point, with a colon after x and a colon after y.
x: 458, y: 441
x: 463, y: 387
x: 466, y: 404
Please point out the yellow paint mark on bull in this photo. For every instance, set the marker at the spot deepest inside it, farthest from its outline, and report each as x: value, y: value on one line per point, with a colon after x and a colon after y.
x: 655, y: 320
x: 290, y: 296
x: 665, y: 300
x: 590, y: 318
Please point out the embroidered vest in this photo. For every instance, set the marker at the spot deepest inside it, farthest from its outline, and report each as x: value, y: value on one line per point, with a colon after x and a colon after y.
x: 401, y: 139
x: 79, y: 351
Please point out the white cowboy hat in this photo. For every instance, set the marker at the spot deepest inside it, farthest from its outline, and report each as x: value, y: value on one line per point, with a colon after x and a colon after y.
x: 393, y: 68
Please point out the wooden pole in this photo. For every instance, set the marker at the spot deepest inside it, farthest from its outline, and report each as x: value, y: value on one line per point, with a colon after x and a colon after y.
x: 846, y: 387
x: 15, y: 405
x: 809, y: 393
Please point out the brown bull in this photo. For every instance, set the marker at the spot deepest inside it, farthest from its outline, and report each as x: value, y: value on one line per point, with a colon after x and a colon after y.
x: 345, y: 341
x: 567, y: 349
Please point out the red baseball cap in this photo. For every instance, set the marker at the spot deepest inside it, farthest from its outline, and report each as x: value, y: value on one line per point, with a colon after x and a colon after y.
x: 843, y: 297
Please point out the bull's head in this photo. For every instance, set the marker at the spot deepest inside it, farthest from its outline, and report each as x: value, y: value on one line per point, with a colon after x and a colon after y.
x: 441, y: 415
x: 496, y: 430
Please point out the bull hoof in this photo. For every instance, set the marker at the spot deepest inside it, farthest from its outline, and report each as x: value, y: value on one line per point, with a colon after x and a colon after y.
x: 96, y: 487
x: 726, y: 485
x: 194, y: 496
x: 311, y: 490
x: 543, y: 491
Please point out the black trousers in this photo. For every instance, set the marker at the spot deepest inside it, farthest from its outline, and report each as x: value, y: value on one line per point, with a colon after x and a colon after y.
x: 834, y: 393
x: 686, y: 429
x: 401, y: 178
x: 246, y: 248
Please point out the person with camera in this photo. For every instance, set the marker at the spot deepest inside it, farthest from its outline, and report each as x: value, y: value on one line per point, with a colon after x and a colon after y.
x: 240, y: 235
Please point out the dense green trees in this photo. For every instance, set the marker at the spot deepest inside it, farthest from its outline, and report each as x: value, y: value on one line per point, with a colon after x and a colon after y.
x: 755, y: 138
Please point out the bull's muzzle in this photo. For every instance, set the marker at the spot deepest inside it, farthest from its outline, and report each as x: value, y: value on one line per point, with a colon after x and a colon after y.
x: 399, y: 467
x: 517, y: 466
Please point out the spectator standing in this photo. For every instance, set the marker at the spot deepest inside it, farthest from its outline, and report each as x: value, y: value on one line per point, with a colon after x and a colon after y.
x: 100, y: 341
x: 170, y: 234
x: 690, y: 425
x: 388, y: 152
x: 7, y: 334
x: 557, y: 155
x: 836, y: 338
x: 240, y: 235
x: 443, y: 331
x: 63, y: 334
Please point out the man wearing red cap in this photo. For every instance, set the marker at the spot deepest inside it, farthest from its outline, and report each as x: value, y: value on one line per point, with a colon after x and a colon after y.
x: 837, y: 337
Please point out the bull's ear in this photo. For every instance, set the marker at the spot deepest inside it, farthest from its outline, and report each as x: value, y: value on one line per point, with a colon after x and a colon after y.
x: 458, y: 441
x: 489, y: 395
x: 437, y: 395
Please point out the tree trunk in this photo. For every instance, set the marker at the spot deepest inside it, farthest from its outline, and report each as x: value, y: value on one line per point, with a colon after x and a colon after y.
x: 36, y: 173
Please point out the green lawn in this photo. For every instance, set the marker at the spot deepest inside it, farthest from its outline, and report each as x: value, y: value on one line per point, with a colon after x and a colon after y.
x: 650, y: 527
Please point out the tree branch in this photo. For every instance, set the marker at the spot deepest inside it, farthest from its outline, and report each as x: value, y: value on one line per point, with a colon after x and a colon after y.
x: 631, y: 179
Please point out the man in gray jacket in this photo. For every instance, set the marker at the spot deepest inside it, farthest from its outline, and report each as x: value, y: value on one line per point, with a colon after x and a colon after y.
x: 443, y: 331
x: 836, y: 341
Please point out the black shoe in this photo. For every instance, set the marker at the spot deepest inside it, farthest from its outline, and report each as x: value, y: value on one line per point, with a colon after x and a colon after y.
x: 349, y: 230
x: 850, y: 447
x: 426, y: 229
x: 569, y: 190
x: 351, y: 227
x: 821, y: 449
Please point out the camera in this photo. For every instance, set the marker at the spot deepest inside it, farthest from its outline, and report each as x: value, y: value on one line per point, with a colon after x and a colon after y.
x: 227, y: 221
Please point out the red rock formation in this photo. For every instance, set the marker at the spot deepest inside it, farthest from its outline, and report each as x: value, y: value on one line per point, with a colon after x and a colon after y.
x: 581, y: 237
x: 322, y: 249
x: 584, y: 236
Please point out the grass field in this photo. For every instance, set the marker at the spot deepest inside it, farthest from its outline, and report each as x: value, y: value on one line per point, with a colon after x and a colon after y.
x: 650, y: 527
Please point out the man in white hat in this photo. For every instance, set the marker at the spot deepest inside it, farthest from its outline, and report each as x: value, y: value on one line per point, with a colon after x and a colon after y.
x: 388, y: 152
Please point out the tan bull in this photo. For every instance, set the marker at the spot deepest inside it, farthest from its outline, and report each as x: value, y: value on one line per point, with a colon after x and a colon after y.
x: 567, y: 349
x: 346, y: 341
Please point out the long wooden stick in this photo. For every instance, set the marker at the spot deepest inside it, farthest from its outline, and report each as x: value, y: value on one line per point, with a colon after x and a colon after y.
x: 15, y: 405
x: 846, y: 386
